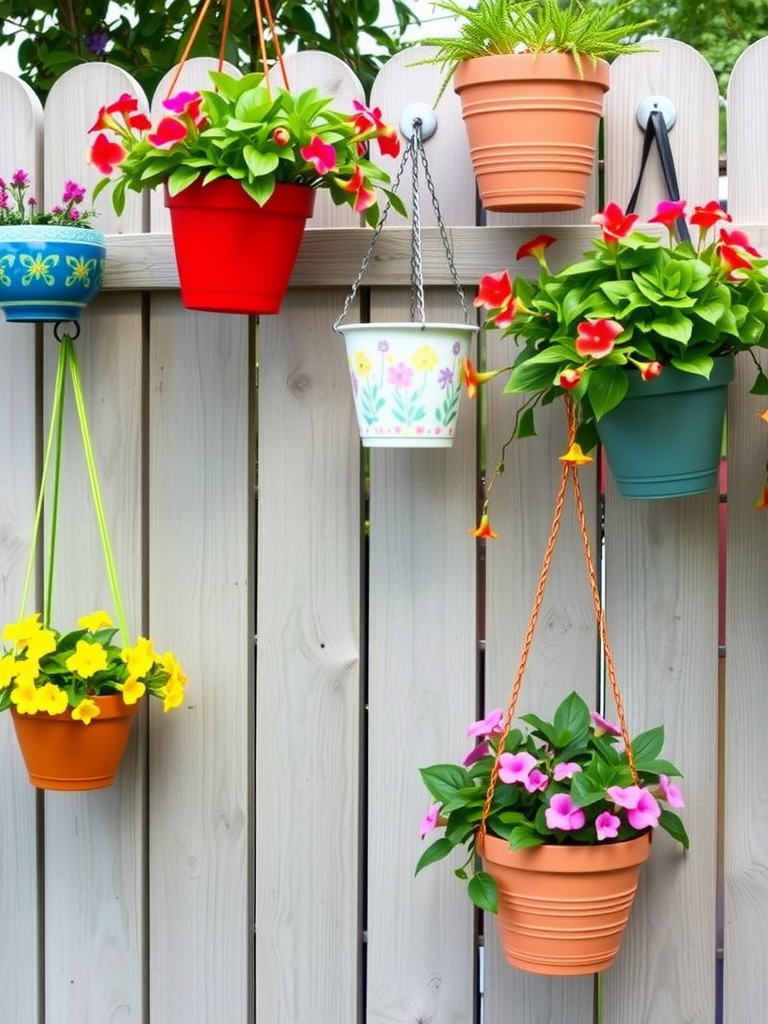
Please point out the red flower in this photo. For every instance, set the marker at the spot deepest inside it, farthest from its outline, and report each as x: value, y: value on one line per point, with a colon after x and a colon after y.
x: 569, y: 379
x: 732, y: 259
x: 365, y: 196
x: 105, y: 155
x: 704, y: 217
x: 484, y: 529
x: 169, y: 131
x: 495, y: 293
x: 650, y: 370
x: 367, y: 119
x: 389, y: 141
x: 668, y: 212
x: 739, y: 239
x: 471, y: 379
x: 597, y: 339
x: 281, y: 136
x: 186, y: 103
x: 536, y: 248
x: 614, y: 222
x: 762, y: 502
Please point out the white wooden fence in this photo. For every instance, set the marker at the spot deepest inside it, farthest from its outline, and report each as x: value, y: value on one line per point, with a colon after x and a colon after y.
x: 254, y: 861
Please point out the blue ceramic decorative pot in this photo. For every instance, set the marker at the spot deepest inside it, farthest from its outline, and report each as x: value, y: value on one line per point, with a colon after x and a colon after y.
x: 49, y: 272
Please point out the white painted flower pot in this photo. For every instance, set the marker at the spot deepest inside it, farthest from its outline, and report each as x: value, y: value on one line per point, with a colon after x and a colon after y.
x: 406, y: 381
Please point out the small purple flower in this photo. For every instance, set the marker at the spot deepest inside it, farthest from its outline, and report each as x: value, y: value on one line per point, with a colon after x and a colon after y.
x: 73, y: 193
x: 563, y: 813
x: 516, y: 767
x: 536, y: 781
x: 642, y: 808
x: 20, y: 178
x: 429, y: 821
x: 74, y: 214
x: 31, y: 202
x: 96, y: 42
x: 400, y: 376
x: 607, y: 825
x: 383, y: 345
x: 445, y: 377
x: 355, y: 383
x: 456, y: 348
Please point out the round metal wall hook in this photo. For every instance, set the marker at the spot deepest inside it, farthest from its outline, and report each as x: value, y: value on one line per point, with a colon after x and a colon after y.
x: 424, y: 114
x: 72, y: 333
x: 663, y: 104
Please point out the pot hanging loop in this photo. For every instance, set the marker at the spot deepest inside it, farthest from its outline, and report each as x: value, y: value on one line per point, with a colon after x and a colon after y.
x: 422, y: 126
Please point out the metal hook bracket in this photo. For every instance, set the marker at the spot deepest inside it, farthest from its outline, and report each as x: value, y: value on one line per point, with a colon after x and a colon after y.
x: 663, y: 104
x: 421, y: 113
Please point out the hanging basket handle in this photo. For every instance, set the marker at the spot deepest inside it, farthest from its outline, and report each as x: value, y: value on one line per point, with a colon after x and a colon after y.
x: 569, y: 472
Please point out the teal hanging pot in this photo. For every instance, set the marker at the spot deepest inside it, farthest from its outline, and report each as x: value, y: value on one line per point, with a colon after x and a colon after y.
x: 664, y: 440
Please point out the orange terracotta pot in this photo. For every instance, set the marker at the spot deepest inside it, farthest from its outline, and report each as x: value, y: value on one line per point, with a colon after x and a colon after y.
x: 532, y: 124
x: 64, y: 754
x: 563, y: 909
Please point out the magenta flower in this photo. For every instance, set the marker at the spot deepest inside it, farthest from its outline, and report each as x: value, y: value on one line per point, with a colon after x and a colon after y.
x: 565, y: 770
x: 642, y: 808
x: 321, y: 154
x: 670, y: 792
x: 563, y: 813
x: 602, y: 727
x: 607, y: 825
x: 536, y: 780
x: 488, y: 725
x: 516, y: 767
x: 429, y: 821
x: 477, y: 753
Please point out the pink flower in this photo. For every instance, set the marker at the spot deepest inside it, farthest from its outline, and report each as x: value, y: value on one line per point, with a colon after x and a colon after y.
x: 607, y: 825
x: 322, y: 155
x: 602, y: 727
x: 739, y: 239
x: 429, y: 821
x: 643, y: 810
x: 536, y: 780
x: 670, y: 792
x: 516, y: 767
x: 565, y: 770
x: 400, y: 376
x: 365, y: 196
x: 490, y: 724
x: 668, y: 212
x: 186, y: 104
x: 563, y: 813
x: 477, y: 753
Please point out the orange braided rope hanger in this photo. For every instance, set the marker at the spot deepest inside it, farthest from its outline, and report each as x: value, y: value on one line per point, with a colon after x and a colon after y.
x: 569, y: 471
x: 262, y: 10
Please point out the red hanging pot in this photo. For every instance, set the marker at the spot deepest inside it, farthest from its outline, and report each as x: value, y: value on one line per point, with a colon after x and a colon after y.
x: 61, y: 753
x: 234, y: 256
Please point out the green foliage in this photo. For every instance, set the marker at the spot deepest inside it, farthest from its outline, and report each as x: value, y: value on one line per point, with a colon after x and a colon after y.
x: 147, y: 38
x: 577, y: 756
x: 585, y: 30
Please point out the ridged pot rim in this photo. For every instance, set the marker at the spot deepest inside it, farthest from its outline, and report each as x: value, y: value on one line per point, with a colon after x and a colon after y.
x: 404, y: 326
x: 111, y: 705
x: 521, y: 67
x: 572, y: 859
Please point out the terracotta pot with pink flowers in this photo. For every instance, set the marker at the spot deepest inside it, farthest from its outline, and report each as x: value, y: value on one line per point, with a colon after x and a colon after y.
x: 240, y: 165
x: 562, y: 813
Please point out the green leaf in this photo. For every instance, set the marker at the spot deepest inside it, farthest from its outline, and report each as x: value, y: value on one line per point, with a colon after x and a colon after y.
x: 483, y: 892
x: 606, y: 389
x: 444, y: 780
x: 672, y: 824
x: 437, y: 851
x: 648, y: 744
x: 523, y: 837
x: 760, y: 387
x: 698, y: 364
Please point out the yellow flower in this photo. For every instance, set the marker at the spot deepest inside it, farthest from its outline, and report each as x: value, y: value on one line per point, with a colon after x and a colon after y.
x: 24, y: 696
x: 425, y: 358
x: 7, y: 671
x: 576, y: 456
x: 51, y: 699
x: 86, y: 710
x: 27, y: 671
x: 175, y: 673
x: 95, y: 621
x: 132, y: 690
x: 20, y: 633
x: 140, y: 658
x: 172, y: 694
x: 41, y: 643
x: 362, y: 364
x: 87, y: 660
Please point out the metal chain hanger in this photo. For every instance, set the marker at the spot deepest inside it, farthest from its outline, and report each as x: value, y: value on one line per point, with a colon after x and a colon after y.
x: 415, y: 153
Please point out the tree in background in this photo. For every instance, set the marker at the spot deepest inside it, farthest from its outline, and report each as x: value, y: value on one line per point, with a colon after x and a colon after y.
x: 719, y: 29
x: 146, y: 37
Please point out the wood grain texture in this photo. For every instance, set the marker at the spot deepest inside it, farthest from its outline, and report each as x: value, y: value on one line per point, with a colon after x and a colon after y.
x: 746, y: 798
x: 661, y: 584
x: 21, y: 144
